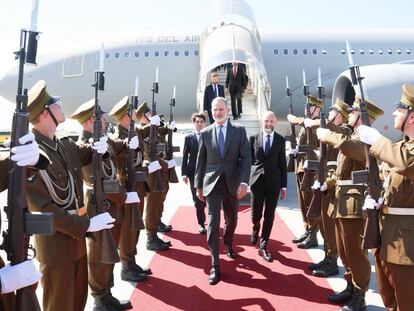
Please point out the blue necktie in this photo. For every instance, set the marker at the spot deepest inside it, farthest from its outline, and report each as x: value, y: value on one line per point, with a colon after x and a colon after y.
x: 267, y: 146
x: 221, y: 142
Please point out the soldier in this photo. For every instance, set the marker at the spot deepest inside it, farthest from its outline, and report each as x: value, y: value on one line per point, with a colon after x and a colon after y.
x: 307, y: 239
x: 100, y: 275
x: 328, y: 266
x: 59, y: 189
x: 23, y: 274
x: 394, y: 260
x: 349, y: 220
x: 129, y: 238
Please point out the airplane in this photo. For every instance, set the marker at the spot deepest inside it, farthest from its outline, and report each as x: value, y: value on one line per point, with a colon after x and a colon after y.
x: 185, y: 59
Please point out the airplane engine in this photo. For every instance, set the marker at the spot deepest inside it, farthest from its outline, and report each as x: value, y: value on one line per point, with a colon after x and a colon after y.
x: 382, y: 85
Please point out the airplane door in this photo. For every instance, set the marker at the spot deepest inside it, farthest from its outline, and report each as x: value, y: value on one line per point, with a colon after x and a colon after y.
x: 73, y: 66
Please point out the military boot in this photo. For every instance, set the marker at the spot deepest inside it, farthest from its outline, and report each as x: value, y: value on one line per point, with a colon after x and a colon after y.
x: 154, y: 243
x: 310, y: 241
x: 131, y: 273
x: 328, y: 269
x: 300, y: 238
x: 317, y: 265
x: 161, y: 227
x: 168, y: 243
x: 344, y: 296
x: 110, y: 303
x: 356, y: 304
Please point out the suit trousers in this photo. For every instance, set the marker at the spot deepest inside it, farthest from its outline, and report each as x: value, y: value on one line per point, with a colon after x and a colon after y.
x: 210, y: 116
x: 7, y: 301
x: 65, y: 286
x: 328, y: 226
x: 262, y: 196
x: 236, y: 107
x: 395, y: 284
x: 304, y: 199
x: 200, y: 206
x: 353, y: 257
x: 220, y: 196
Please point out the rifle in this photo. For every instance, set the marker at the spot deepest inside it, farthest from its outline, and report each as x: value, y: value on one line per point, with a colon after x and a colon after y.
x: 370, y: 176
x: 291, y: 161
x: 170, y: 149
x: 155, y: 177
x: 21, y: 223
x: 109, y: 253
x: 314, y: 211
x: 131, y: 175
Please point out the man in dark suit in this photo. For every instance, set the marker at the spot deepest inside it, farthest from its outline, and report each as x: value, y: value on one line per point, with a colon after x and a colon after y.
x: 212, y: 91
x: 222, y: 176
x: 188, y: 167
x: 268, y: 178
x: 236, y: 83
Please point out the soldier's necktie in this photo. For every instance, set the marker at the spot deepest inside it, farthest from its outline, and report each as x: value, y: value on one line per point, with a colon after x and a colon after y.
x: 267, y: 146
x: 221, y: 141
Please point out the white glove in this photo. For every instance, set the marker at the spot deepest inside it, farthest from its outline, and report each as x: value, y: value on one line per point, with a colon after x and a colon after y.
x: 305, y: 164
x: 100, y: 146
x: 324, y: 187
x: 322, y: 133
x: 171, y: 163
x: 290, y: 117
x: 370, y: 203
x: 154, y: 166
x: 316, y: 185
x: 25, y: 154
x: 155, y: 120
x: 368, y: 135
x: 132, y: 197
x: 307, y: 122
x: 133, y: 143
x: 18, y: 276
x: 293, y: 151
x: 100, y: 222
x: 172, y: 125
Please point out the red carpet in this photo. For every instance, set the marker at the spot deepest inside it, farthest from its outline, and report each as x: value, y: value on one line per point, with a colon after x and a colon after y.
x: 180, y: 279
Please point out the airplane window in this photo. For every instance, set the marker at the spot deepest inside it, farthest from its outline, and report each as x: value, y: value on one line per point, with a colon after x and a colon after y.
x: 196, y: 53
x: 107, y: 55
x: 126, y: 54
x: 285, y: 51
x: 343, y: 51
x: 156, y: 53
x: 371, y: 51
x: 399, y: 51
x: 389, y: 51
x: 146, y: 54
x: 305, y: 51
x: 166, y: 53
x: 275, y: 51
x: 352, y: 51
x: 324, y: 52
x: 362, y: 52
x: 408, y: 51
x: 186, y: 53
x: 176, y: 53
x: 117, y: 55
x: 136, y: 54
x: 315, y: 51
x: 380, y: 51
x: 295, y: 51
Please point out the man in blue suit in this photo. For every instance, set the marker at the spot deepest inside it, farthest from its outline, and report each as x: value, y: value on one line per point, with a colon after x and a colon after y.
x: 212, y: 91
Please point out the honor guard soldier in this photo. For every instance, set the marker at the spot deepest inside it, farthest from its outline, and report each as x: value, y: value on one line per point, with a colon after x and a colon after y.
x: 129, y: 238
x: 308, y: 239
x: 23, y: 274
x: 100, y: 275
x: 338, y: 116
x: 59, y: 189
x: 349, y: 219
x: 394, y: 260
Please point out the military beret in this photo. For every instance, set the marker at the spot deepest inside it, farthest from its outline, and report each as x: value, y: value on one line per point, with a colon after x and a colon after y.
x: 142, y: 109
x: 341, y: 107
x: 407, y: 98
x: 39, y: 99
x: 313, y: 101
x: 373, y: 110
x: 120, y: 109
x: 85, y: 111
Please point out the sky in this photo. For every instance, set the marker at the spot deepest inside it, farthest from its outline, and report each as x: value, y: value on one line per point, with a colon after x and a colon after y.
x: 67, y: 20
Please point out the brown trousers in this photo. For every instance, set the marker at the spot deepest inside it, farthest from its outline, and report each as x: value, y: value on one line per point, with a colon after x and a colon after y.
x: 165, y: 187
x: 328, y: 227
x: 354, y: 258
x: 7, y: 301
x: 304, y: 199
x: 395, y: 284
x: 153, y: 206
x: 65, y: 286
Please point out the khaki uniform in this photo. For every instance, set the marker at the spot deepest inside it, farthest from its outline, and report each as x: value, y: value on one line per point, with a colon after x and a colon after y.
x: 100, y: 275
x: 62, y: 256
x: 347, y: 210
x: 394, y: 260
x: 162, y: 133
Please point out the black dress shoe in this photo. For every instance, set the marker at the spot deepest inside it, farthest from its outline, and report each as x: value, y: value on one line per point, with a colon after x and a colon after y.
x: 110, y: 303
x: 357, y: 303
x: 328, y: 269
x: 202, y: 230
x: 265, y: 254
x: 161, y: 227
x: 230, y: 253
x: 344, y: 296
x: 235, y: 118
x: 309, y: 242
x: 214, y: 276
x: 254, y: 237
x: 299, y: 239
